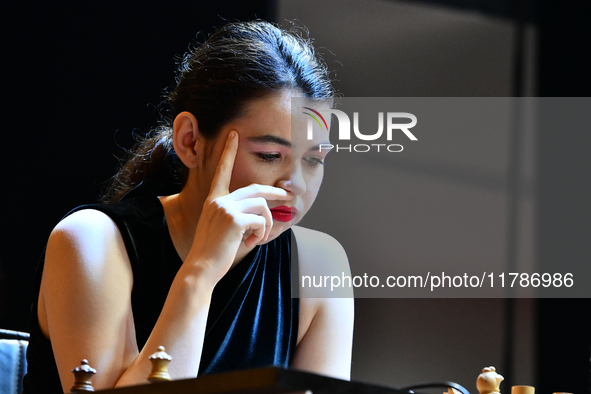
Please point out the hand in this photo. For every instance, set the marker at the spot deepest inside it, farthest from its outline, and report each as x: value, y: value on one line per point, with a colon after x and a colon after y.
x: 229, y: 218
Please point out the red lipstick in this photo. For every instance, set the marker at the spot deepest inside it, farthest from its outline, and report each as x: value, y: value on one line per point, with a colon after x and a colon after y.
x: 283, y: 213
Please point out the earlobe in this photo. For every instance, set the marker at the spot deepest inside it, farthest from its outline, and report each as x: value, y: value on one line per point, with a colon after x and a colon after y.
x: 186, y: 139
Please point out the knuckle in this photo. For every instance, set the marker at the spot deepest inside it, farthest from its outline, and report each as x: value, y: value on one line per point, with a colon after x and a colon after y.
x: 257, y: 188
x: 215, y: 203
x: 238, y: 222
x: 220, y: 206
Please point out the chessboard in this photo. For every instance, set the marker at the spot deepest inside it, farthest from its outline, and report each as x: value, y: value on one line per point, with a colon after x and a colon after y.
x: 271, y: 380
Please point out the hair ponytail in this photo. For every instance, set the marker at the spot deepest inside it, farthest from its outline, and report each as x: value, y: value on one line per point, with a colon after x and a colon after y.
x: 152, y: 158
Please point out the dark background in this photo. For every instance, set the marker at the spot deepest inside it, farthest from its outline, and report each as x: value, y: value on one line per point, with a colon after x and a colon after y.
x: 79, y: 78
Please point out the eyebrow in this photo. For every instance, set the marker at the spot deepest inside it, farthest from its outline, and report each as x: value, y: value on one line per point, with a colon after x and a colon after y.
x: 269, y: 139
x: 317, y: 147
x: 273, y: 139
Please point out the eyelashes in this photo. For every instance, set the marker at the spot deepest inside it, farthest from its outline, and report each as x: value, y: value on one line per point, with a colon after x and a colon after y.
x: 269, y: 157
x: 314, y: 161
x: 276, y: 157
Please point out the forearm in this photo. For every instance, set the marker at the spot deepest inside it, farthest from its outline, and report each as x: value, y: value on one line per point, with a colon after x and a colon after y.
x: 180, y: 329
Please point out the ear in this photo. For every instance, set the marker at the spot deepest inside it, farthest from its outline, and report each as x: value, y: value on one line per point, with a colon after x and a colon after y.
x: 186, y: 139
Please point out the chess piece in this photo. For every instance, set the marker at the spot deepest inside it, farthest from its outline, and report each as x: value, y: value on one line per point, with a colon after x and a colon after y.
x: 488, y: 381
x: 82, y: 378
x: 159, y: 361
x: 523, y: 390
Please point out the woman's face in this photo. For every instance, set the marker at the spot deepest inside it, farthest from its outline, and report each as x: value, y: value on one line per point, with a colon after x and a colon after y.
x: 272, y: 153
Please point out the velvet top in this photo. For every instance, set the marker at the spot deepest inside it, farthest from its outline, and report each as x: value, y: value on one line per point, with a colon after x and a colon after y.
x: 252, y: 320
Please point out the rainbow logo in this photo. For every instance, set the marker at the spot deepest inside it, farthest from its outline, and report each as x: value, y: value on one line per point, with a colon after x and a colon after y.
x: 316, y: 119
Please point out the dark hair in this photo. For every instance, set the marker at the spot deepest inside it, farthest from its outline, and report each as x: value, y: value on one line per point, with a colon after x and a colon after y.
x: 239, y: 62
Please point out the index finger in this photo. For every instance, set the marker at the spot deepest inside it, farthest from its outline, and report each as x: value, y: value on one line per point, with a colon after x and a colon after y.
x: 220, y: 186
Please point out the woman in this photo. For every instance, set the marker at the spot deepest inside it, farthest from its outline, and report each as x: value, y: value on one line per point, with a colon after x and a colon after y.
x: 193, y: 251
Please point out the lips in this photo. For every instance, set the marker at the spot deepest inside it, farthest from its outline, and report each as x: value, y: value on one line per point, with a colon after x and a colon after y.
x: 283, y: 213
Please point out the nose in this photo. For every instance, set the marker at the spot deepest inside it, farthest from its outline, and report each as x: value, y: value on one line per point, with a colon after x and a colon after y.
x: 295, y: 184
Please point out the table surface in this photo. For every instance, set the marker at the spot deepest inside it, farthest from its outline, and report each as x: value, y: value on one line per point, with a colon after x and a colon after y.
x: 261, y: 380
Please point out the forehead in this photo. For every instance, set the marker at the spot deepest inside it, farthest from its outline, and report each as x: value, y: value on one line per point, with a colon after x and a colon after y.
x: 267, y: 111
x: 273, y: 115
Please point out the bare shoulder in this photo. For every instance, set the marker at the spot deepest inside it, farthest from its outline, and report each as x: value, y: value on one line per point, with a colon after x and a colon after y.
x: 84, y: 243
x: 89, y: 231
x: 319, y: 253
x: 84, y: 221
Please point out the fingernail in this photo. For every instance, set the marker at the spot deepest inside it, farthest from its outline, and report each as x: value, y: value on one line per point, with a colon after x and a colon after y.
x: 232, y: 134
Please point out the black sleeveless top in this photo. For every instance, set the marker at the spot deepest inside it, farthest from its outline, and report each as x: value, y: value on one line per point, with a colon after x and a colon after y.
x: 252, y: 320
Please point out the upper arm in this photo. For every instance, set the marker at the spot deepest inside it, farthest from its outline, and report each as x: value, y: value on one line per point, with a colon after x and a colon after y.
x: 326, y: 317
x: 86, y: 298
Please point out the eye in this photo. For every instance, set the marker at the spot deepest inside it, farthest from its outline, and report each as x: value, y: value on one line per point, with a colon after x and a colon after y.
x: 314, y: 161
x: 269, y: 157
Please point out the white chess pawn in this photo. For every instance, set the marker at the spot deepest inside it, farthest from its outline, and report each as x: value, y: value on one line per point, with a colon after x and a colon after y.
x: 488, y: 381
x: 160, y: 361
